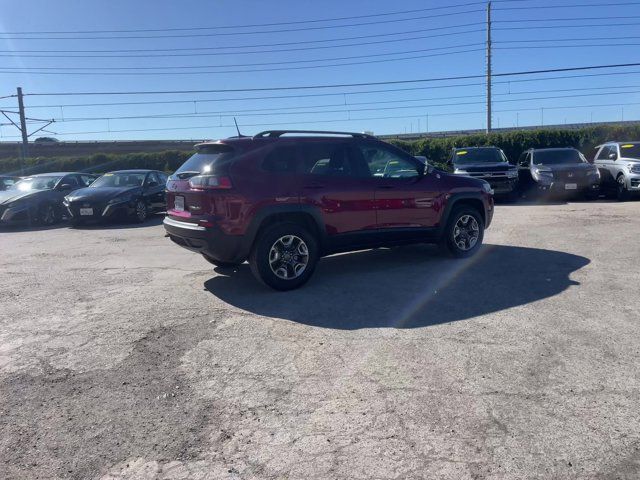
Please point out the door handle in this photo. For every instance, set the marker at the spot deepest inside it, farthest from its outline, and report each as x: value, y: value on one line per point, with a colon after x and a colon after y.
x: 314, y: 186
x: 385, y: 187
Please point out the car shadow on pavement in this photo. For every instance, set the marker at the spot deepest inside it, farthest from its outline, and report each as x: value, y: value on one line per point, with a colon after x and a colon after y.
x: 407, y: 287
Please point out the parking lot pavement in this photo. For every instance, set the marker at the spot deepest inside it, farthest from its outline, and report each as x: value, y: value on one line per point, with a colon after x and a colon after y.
x: 123, y: 356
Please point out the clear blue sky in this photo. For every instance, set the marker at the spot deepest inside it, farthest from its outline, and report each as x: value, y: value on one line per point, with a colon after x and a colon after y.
x: 444, y: 105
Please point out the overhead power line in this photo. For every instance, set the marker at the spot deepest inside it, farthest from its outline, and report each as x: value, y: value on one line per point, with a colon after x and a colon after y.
x: 203, y: 54
x: 527, y: 47
x: 220, y: 27
x: 548, y: 40
x: 338, y: 85
x: 578, y: 5
x: 253, y: 32
x: 208, y: 72
x: 334, y: 120
x: 343, y: 109
x: 341, y: 95
x: 565, y: 19
x: 583, y: 25
x: 233, y: 65
x: 261, y: 45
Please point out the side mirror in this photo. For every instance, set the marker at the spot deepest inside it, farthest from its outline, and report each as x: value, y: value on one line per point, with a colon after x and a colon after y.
x: 152, y: 184
x: 613, y: 156
x: 422, y: 159
x: 65, y: 187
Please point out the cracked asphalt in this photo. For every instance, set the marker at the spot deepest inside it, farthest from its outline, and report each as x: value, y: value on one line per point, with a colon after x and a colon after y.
x: 123, y: 356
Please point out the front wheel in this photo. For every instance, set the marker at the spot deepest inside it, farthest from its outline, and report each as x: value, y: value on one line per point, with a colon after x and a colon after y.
x: 622, y: 190
x: 47, y: 215
x: 464, y: 233
x: 141, y: 211
x: 284, y: 256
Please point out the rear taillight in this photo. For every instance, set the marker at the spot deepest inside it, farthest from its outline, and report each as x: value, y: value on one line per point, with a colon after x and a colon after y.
x: 210, y: 182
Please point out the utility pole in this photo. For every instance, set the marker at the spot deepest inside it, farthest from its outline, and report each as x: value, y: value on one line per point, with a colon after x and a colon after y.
x: 489, y: 67
x: 23, y: 130
x: 24, y: 150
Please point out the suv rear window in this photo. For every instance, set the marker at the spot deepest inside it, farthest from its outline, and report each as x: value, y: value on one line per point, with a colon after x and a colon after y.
x: 209, y: 159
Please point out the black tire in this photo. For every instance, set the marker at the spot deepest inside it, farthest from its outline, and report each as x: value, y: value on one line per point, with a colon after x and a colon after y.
x: 267, y: 240
x: 47, y: 215
x: 622, y: 192
x: 448, y: 242
x: 141, y: 211
x: 220, y: 264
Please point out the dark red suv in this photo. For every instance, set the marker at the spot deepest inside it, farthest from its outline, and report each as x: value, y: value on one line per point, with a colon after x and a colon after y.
x: 283, y: 199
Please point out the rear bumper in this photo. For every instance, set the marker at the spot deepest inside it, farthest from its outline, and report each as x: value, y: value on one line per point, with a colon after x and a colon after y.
x: 210, y: 241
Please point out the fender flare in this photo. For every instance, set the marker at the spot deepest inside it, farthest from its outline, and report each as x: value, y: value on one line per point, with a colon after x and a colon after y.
x: 265, y: 212
x: 451, y: 203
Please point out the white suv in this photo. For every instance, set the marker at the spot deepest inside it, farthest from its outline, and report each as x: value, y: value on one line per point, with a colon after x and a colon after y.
x: 619, y: 166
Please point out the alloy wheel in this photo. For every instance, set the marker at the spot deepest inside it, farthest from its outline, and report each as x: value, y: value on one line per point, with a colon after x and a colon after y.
x: 289, y: 257
x: 141, y: 210
x: 48, y: 215
x: 466, y: 233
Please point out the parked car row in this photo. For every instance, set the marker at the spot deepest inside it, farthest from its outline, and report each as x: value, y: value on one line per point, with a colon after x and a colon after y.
x: 615, y: 170
x: 283, y: 199
x: 47, y: 198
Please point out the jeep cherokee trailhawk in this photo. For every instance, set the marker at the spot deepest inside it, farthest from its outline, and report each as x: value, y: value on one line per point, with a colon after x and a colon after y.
x: 283, y: 199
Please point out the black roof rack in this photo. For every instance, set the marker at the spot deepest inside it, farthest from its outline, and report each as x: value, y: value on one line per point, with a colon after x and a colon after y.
x: 279, y: 133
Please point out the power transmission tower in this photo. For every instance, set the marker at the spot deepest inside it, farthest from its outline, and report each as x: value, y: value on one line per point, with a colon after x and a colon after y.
x: 489, y: 67
x: 24, y: 150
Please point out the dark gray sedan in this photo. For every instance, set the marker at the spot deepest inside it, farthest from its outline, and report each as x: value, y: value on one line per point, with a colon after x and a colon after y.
x: 37, y: 199
x: 132, y: 194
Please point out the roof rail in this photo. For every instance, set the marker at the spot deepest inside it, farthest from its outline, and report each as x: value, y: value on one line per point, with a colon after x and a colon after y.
x: 279, y: 133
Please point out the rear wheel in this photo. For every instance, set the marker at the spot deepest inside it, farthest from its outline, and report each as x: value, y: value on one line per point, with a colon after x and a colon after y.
x: 284, y: 256
x: 464, y: 233
x: 218, y: 263
x: 622, y: 190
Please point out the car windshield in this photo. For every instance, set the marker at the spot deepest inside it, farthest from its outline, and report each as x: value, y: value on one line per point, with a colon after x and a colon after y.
x: 479, y: 155
x: 210, y: 159
x: 36, y: 183
x: 630, y: 150
x: 123, y: 179
x: 557, y: 157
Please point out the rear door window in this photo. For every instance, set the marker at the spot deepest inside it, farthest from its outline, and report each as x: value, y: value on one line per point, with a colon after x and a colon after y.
x: 327, y: 158
x: 282, y: 159
x: 212, y: 159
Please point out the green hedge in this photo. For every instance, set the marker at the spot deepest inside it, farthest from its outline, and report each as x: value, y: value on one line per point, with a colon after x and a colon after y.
x: 167, y: 161
x: 436, y: 149
x: 515, y: 142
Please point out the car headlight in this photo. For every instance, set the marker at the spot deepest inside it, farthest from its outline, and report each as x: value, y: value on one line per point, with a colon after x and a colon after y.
x: 594, y: 173
x: 634, y: 167
x: 512, y: 173
x: 125, y: 198
x: 539, y: 174
x: 458, y: 171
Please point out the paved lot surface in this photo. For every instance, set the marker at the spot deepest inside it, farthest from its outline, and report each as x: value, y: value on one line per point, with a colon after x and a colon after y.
x: 123, y: 356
